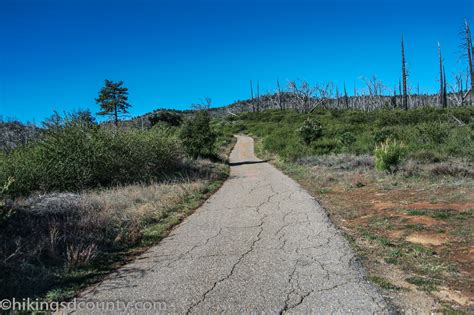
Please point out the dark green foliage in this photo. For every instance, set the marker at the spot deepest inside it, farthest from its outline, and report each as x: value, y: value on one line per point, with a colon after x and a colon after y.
x: 429, y: 134
x: 433, y: 132
x: 347, y: 138
x: 113, y: 99
x: 310, y: 131
x: 197, y: 135
x: 166, y: 117
x: 75, y: 154
x: 326, y: 146
x: 383, y: 134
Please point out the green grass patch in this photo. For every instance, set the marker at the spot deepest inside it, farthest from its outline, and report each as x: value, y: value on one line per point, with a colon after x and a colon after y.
x: 324, y: 190
x: 380, y: 239
x: 425, y: 284
x: 384, y: 283
x: 441, y: 214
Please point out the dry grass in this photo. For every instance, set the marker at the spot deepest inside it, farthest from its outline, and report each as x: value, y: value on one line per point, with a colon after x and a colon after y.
x: 60, y: 239
x: 413, y: 228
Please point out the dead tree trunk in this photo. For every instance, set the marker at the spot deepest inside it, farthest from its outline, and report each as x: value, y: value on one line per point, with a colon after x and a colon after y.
x: 258, y: 96
x: 280, y: 104
x: 393, y: 99
x: 445, y: 92
x: 251, y: 97
x: 404, y: 79
x: 442, y: 88
x: 470, y: 51
x: 346, y: 98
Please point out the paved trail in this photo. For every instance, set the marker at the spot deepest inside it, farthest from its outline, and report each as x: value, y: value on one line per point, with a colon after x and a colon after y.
x: 261, y: 243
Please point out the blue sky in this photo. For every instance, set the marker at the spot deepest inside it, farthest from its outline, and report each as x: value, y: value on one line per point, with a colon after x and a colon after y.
x: 55, y: 54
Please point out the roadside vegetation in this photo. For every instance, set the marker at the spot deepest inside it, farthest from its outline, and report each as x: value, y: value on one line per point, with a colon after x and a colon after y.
x: 429, y: 134
x: 399, y: 183
x: 79, y: 198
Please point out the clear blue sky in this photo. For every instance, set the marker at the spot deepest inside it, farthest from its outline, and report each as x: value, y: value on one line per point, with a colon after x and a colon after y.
x: 55, y: 54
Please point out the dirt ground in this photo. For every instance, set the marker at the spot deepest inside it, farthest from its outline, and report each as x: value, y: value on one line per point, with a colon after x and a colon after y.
x: 415, y: 233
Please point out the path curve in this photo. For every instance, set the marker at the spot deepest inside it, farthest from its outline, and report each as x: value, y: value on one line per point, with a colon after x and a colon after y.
x: 259, y: 244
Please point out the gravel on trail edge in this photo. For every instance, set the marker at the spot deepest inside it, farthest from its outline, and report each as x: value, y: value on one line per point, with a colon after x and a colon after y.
x: 260, y: 244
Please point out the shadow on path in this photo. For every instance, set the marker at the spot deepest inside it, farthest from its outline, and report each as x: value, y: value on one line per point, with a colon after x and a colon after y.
x: 247, y: 162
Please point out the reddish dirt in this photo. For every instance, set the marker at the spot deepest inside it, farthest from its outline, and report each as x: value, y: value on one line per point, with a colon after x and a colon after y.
x: 429, y: 239
x: 355, y: 207
x: 464, y: 206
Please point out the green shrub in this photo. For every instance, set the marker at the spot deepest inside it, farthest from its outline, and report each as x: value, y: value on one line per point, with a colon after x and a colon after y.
x: 369, y: 128
x: 310, y: 131
x: 383, y: 134
x: 347, y: 138
x: 166, y: 117
x: 433, y: 132
x: 197, y: 135
x: 293, y: 151
x: 73, y: 156
x: 325, y: 146
x: 388, y: 155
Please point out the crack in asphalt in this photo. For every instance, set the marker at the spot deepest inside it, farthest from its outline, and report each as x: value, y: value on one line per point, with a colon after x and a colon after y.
x: 194, y: 247
x: 251, y: 248
x: 260, y: 244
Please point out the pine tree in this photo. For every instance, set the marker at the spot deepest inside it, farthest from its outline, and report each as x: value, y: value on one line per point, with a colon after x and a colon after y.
x: 113, y: 99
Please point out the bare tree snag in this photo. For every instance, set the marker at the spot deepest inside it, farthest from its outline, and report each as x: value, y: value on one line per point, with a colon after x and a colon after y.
x: 346, y: 98
x: 445, y: 93
x: 258, y: 96
x: 280, y: 104
x: 251, y: 97
x: 470, y: 51
x: 442, y: 88
x: 404, y: 79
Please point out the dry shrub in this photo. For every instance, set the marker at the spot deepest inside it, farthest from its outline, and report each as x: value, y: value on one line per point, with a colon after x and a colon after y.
x: 411, y: 168
x: 451, y: 169
x: 454, y: 168
x: 65, y: 231
x: 339, y: 161
x: 79, y: 255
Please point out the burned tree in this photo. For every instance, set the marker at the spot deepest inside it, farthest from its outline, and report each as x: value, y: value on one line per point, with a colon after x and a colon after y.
x: 442, y: 84
x: 457, y: 93
x: 251, y: 97
x: 303, y: 94
x: 404, y: 79
x: 258, y: 96
x: 346, y: 98
x: 469, y: 53
x: 279, y: 100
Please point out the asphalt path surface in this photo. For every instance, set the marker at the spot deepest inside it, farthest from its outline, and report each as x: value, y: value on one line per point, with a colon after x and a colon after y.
x: 259, y: 244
